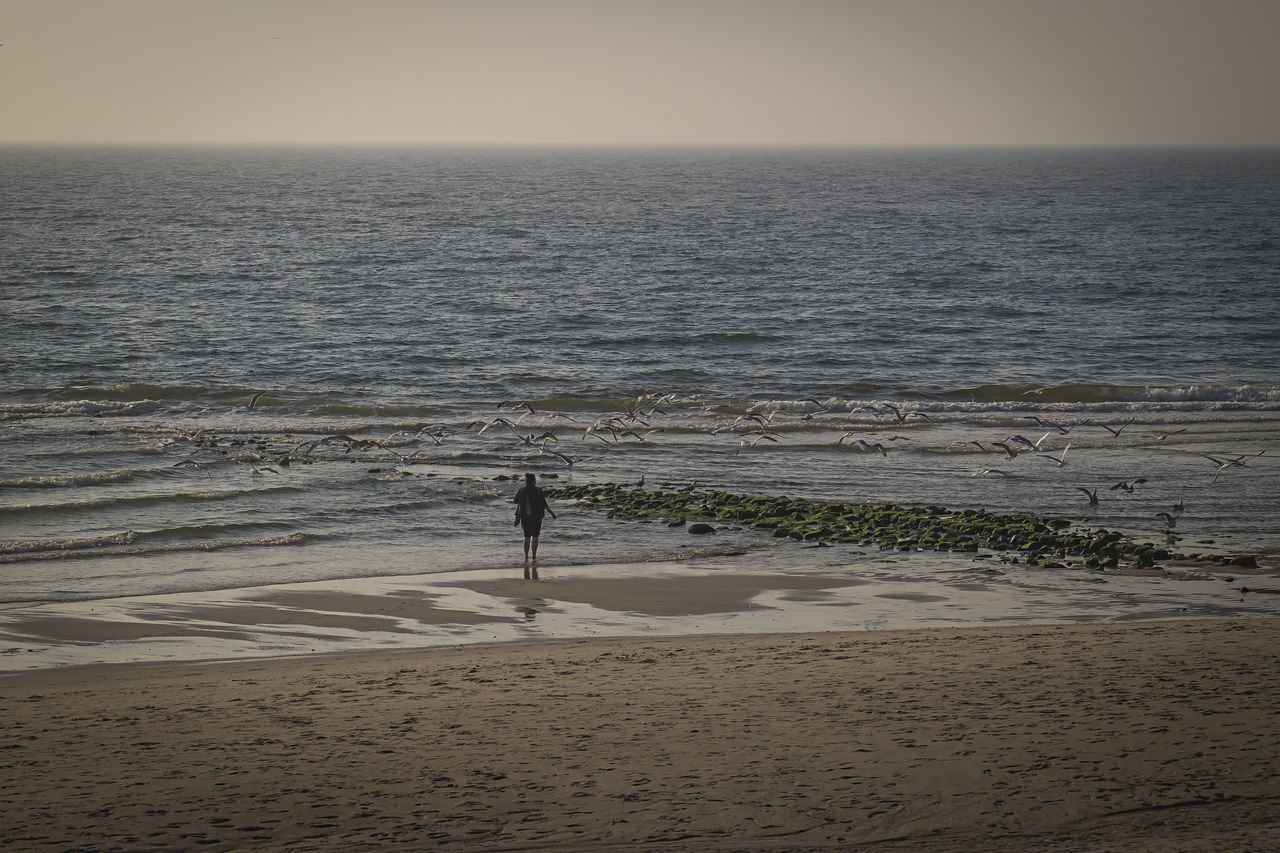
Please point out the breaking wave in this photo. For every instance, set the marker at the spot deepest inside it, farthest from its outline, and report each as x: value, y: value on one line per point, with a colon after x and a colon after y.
x: 59, y: 481
x: 122, y: 545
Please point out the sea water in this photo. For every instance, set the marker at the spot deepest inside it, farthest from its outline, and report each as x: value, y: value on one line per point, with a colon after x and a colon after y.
x: 192, y: 337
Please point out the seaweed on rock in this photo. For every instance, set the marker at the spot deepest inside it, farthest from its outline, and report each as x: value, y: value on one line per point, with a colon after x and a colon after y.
x: 1045, y: 542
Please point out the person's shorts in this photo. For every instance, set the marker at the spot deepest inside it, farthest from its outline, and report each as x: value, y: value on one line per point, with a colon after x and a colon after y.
x: 532, y: 526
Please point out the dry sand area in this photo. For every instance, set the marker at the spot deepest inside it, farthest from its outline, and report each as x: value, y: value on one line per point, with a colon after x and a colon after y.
x: 1144, y: 736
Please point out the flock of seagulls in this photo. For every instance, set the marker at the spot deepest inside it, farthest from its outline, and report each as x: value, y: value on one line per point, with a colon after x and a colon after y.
x: 525, y: 428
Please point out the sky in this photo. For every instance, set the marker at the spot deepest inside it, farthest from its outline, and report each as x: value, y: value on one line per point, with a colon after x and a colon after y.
x: 642, y: 72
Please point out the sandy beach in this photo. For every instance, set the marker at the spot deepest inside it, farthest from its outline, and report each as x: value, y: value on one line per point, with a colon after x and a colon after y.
x: 1142, y: 736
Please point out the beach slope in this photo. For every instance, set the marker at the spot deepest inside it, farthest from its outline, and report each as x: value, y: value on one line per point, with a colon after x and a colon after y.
x: 1144, y: 736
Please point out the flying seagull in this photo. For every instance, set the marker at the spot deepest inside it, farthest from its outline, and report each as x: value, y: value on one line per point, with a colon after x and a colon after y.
x: 1115, y: 430
x: 1060, y: 461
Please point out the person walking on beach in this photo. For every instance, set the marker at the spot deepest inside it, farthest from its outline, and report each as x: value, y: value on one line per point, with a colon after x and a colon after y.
x: 531, y: 507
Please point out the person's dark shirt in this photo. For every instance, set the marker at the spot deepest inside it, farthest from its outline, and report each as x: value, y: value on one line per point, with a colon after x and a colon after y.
x: 531, y: 502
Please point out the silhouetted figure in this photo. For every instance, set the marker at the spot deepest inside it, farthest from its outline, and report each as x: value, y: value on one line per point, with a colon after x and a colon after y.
x: 531, y: 508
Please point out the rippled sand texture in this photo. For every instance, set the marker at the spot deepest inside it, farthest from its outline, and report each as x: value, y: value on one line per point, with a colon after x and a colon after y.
x: 1156, y: 736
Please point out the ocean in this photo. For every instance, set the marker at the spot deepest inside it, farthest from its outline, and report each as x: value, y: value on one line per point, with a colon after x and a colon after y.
x: 201, y: 347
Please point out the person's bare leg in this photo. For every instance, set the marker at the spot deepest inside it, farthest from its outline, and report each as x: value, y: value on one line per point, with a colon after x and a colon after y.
x: 526, y: 547
x: 535, y: 547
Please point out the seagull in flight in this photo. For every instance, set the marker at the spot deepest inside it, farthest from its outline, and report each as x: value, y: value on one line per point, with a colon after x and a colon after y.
x: 1047, y: 424
x: 499, y: 422
x: 1127, y: 486
x: 1009, y: 452
x: 1026, y: 442
x: 351, y: 443
x: 819, y: 409
x: 1233, y: 462
x: 752, y: 442
x: 437, y: 434
x: 193, y: 464
x: 761, y: 420
x: 1114, y: 430
x: 863, y: 446
x: 901, y: 416
x: 1060, y: 461
x: 538, y: 441
x: 1091, y: 495
x: 543, y: 450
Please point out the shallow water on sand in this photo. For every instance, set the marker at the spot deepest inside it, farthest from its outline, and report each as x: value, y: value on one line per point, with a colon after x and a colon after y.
x: 777, y: 591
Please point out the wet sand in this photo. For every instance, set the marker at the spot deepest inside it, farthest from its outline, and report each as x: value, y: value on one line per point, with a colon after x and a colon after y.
x: 433, y: 611
x: 1143, y: 736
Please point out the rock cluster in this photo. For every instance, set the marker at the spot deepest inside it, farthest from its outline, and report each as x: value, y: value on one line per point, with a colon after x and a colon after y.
x: 1045, y: 542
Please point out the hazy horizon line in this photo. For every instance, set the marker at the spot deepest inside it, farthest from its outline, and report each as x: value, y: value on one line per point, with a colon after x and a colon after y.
x: 645, y: 146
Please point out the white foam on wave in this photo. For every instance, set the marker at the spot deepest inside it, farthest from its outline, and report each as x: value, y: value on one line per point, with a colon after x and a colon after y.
x: 58, y: 481
x: 46, y: 546
x: 118, y: 545
x: 1211, y: 394
x: 74, y: 408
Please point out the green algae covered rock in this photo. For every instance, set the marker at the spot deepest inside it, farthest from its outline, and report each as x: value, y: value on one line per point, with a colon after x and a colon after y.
x: 1046, y: 542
